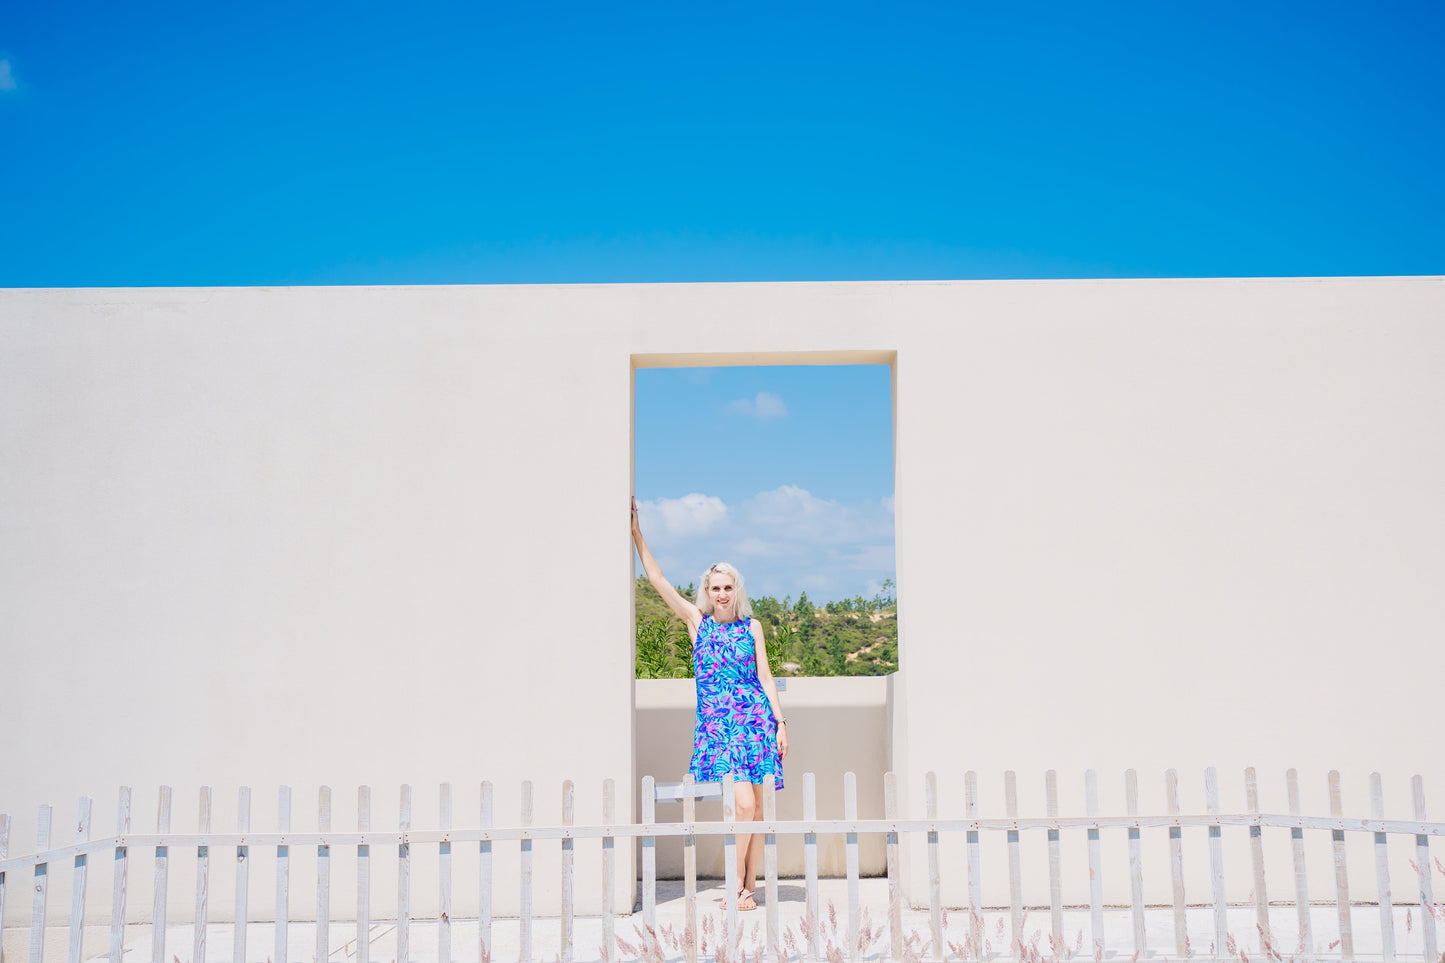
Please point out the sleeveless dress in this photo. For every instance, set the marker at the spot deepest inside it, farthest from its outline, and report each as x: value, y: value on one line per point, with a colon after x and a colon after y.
x: 735, y: 730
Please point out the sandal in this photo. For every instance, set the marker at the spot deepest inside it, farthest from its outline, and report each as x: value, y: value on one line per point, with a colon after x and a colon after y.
x: 746, y: 901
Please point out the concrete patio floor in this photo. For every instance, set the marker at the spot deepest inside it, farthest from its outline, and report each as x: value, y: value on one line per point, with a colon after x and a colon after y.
x: 546, y: 932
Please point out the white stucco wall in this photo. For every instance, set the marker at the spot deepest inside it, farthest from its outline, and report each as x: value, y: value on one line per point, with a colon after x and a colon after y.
x: 304, y: 536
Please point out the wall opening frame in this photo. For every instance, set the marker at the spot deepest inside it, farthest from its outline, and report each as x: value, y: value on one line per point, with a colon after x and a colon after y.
x: 743, y: 359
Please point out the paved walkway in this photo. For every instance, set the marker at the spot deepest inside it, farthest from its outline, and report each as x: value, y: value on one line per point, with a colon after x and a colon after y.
x: 546, y: 933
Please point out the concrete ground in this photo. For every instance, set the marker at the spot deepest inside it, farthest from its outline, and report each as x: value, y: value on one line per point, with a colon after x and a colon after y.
x: 546, y: 933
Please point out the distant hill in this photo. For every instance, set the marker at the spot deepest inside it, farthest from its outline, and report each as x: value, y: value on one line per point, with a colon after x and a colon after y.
x: 854, y: 636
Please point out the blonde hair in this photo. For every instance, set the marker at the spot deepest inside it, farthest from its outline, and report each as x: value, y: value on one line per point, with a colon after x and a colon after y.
x: 741, y: 606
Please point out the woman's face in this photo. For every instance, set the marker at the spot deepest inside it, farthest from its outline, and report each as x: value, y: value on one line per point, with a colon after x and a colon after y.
x: 720, y: 591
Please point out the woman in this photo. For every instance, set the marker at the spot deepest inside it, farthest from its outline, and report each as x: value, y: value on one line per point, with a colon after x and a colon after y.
x: 740, y: 724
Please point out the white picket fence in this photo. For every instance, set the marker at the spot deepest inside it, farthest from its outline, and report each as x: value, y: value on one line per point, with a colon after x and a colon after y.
x: 931, y: 826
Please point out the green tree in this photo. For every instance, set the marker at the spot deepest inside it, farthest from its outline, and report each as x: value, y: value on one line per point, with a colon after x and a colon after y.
x: 804, y: 607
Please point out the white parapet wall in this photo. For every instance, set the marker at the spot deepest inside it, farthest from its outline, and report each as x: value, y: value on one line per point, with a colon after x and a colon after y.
x: 838, y: 726
x: 337, y: 536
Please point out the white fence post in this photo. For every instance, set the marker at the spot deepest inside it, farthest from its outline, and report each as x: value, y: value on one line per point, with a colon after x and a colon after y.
x: 77, y: 885
x: 895, y: 893
x: 444, y: 878
x: 1136, y: 863
x: 935, y: 876
x: 1015, y: 865
x: 1096, y: 872
x: 810, y: 865
x: 1256, y: 854
x: 1301, y: 879
x: 1176, y: 864
x: 363, y: 878
x: 569, y: 804
x: 243, y: 869
x: 283, y: 874
x: 609, y: 873
x: 649, y: 854
x: 203, y: 880
x: 525, y: 938
x: 117, y: 891
x: 323, y: 876
x: 1342, y: 876
x: 850, y: 812
x: 1422, y: 860
x: 403, y: 879
x: 42, y: 886
x: 1382, y: 872
x: 1216, y: 865
x: 484, y: 878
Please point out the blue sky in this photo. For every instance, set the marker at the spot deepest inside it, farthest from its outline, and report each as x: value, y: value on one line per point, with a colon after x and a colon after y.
x: 802, y: 501
x: 320, y: 143
x: 266, y: 143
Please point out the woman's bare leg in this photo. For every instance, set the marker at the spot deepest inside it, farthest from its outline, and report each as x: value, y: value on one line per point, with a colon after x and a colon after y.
x: 750, y: 859
x: 748, y: 806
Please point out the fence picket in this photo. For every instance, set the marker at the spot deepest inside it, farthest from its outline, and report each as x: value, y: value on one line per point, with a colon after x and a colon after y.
x: 895, y: 893
x: 810, y: 864
x: 484, y: 879
x: 689, y: 872
x: 117, y: 890
x: 243, y: 870
x: 1382, y: 873
x: 403, y: 878
x: 444, y: 878
x: 41, y: 888
x: 1176, y: 864
x: 1256, y: 854
x: 323, y: 876
x: 649, y: 854
x: 283, y: 874
x: 975, y: 879
x: 363, y: 877
x: 162, y: 878
x: 1015, y: 865
x: 568, y: 910
x: 1422, y: 861
x: 203, y: 880
x: 935, y: 878
x: 609, y: 872
x: 730, y: 863
x: 77, y: 885
x: 1216, y: 864
x: 770, y: 864
x: 1342, y: 878
x: 1096, y: 873
x: 4, y: 851
x: 525, y: 939
x: 850, y: 811
x: 1301, y: 879
x: 1056, y: 881
x: 1136, y: 863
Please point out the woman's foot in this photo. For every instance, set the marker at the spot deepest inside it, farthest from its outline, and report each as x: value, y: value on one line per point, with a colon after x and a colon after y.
x: 746, y: 900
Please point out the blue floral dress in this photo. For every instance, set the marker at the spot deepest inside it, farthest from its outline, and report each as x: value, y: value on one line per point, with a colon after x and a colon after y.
x: 736, y: 731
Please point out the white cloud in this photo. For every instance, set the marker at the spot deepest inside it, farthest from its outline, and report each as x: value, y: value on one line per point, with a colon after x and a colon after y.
x: 690, y: 515
x: 755, y: 548
x: 785, y: 540
x: 7, y: 79
x: 765, y: 405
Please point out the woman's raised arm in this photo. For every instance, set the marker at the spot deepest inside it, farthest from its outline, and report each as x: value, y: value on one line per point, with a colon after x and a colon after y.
x: 685, y: 610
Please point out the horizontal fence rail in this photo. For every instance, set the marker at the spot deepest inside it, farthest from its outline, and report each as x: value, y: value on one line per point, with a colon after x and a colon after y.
x: 815, y: 935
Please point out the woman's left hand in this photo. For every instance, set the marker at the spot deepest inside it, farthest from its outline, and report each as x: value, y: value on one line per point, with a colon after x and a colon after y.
x: 782, y: 741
